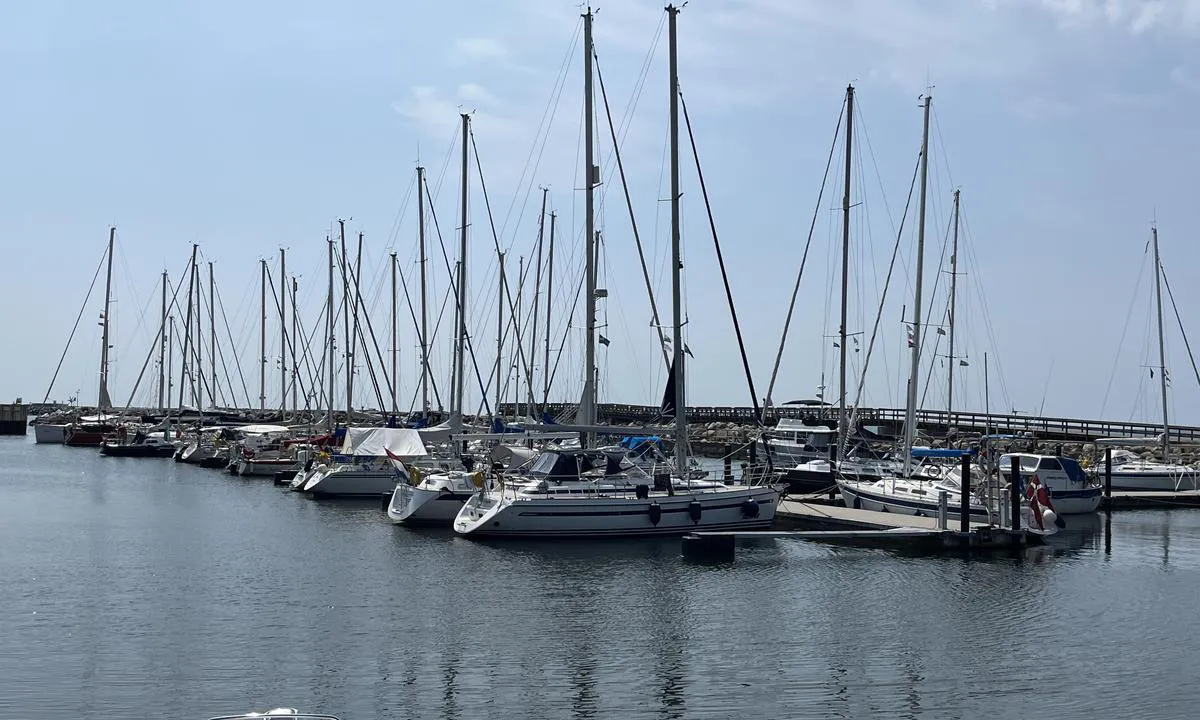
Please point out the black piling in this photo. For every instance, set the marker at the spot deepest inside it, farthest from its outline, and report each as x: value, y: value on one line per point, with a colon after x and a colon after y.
x: 728, y: 465
x: 1108, y: 476
x: 385, y: 500
x: 708, y: 548
x: 1015, y: 493
x: 964, y: 510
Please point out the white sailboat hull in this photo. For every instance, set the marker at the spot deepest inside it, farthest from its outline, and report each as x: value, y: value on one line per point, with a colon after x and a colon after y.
x: 867, y: 497
x: 411, y: 505
x: 495, y: 514
x: 1160, y: 481
x: 346, y: 481
x: 50, y: 434
x: 268, y: 468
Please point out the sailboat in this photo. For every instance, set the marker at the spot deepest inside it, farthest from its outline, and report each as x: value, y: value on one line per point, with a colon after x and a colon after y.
x: 912, y: 491
x: 1130, y: 472
x: 89, y: 431
x: 596, y: 493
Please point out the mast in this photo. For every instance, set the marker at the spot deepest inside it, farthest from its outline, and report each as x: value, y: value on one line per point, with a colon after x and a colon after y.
x: 676, y: 259
x: 499, y: 335
x: 1162, y: 353
x: 162, y: 351
x: 395, y: 381
x: 537, y: 294
x: 170, y: 354
x: 549, y: 307
x: 987, y: 408
x: 292, y: 353
x: 843, y: 431
x: 587, y: 407
x: 187, y: 329
x: 283, y: 334
x: 104, y: 402
x: 346, y: 323
x: 331, y: 325
x: 262, y: 340
x: 910, y: 410
x: 953, y: 298
x: 516, y: 355
x: 358, y: 304
x: 198, y: 358
x: 424, y: 314
x: 456, y: 414
x: 212, y: 337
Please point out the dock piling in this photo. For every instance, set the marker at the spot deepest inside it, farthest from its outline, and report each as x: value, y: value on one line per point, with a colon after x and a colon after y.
x: 964, y: 507
x: 1015, y: 493
x: 1108, y: 475
x: 943, y: 510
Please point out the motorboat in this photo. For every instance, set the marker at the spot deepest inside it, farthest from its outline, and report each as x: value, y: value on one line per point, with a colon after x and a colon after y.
x: 142, y: 443
x: 591, y: 493
x: 278, y: 714
x: 792, y: 442
x: 1131, y: 472
x: 1072, y: 492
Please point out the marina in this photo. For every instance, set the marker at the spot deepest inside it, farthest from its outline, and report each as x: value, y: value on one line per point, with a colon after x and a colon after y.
x: 415, y: 361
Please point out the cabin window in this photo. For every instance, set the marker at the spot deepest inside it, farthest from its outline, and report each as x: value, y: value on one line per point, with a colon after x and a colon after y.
x: 1049, y: 464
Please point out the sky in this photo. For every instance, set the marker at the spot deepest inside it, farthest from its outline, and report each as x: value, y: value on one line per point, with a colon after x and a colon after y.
x: 1067, y: 125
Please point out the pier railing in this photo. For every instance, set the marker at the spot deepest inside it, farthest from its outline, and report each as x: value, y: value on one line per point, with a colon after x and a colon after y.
x: 1045, y: 427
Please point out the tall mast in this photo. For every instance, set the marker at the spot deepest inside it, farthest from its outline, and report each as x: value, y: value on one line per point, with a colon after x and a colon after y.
x: 910, y: 410
x: 537, y: 294
x: 292, y: 353
x: 283, y: 335
x: 1162, y: 352
x: 677, y: 361
x: 395, y: 352
x: 358, y: 302
x: 162, y: 351
x: 424, y: 315
x: 198, y: 346
x: 587, y: 408
x: 262, y: 340
x: 346, y: 323
x: 843, y: 431
x: 549, y: 307
x: 953, y: 298
x: 456, y: 412
x: 212, y: 337
x: 170, y: 353
x: 187, y: 329
x: 104, y: 402
x: 331, y: 325
x: 516, y: 354
x: 499, y: 335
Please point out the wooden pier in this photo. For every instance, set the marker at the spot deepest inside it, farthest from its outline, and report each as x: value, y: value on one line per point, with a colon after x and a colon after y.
x: 888, y: 421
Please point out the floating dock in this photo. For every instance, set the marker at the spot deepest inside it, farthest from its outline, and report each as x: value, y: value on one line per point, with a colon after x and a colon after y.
x: 14, y: 419
x: 841, y: 525
x: 1151, y: 500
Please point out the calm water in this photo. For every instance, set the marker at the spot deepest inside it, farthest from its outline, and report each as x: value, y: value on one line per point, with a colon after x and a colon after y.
x: 143, y: 588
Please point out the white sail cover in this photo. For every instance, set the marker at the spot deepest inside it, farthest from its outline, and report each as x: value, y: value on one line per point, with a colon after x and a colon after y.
x: 377, y: 442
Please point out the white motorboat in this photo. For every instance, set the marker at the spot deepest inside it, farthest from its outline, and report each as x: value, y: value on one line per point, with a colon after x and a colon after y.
x: 587, y: 493
x: 278, y: 714
x: 791, y: 442
x: 1072, y: 492
x: 1130, y: 472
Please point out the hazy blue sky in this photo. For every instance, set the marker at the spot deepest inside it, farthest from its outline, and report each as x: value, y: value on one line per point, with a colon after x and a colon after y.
x: 1068, y: 125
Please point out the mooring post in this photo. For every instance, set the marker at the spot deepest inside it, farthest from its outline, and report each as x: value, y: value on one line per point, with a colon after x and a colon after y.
x: 708, y: 548
x: 1108, y: 476
x: 728, y: 469
x: 964, y: 509
x: 943, y: 510
x: 1015, y: 493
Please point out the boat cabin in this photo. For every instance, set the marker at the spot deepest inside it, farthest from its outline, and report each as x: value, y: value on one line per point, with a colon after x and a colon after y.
x: 818, y: 438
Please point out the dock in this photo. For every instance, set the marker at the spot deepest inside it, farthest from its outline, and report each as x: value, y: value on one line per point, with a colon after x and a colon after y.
x: 14, y: 419
x: 1151, y: 500
x: 836, y: 524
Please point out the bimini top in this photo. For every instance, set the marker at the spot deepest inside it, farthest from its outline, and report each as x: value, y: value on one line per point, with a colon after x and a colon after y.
x: 924, y: 452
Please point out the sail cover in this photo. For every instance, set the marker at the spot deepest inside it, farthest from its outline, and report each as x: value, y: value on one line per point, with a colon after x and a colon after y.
x: 377, y: 442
